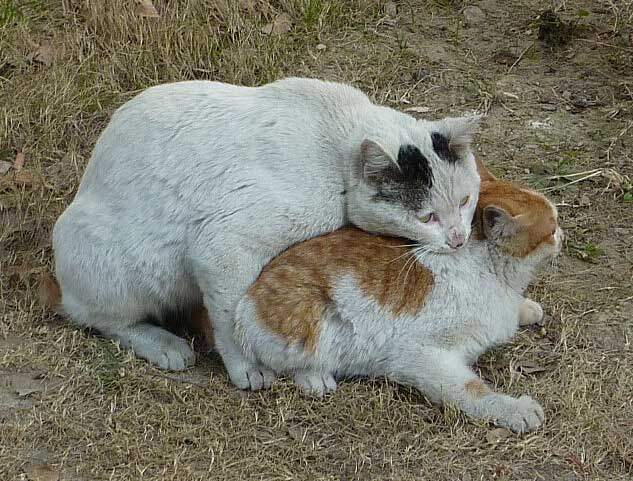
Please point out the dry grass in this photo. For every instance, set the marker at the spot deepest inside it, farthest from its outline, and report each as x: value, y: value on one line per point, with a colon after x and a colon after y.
x: 77, y: 403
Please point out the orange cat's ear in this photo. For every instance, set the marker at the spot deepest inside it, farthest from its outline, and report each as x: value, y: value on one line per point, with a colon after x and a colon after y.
x: 497, y: 222
x: 484, y: 173
x: 375, y: 160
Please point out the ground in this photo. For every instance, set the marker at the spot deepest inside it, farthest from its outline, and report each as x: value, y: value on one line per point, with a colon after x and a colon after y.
x: 557, y: 92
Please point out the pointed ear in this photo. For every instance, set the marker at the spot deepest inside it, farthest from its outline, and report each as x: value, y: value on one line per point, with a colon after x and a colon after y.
x: 497, y: 222
x: 484, y: 173
x: 375, y: 161
x: 459, y: 132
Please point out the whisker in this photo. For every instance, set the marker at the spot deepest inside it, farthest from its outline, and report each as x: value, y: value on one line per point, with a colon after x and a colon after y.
x: 420, y: 252
x: 409, y: 252
x: 411, y: 260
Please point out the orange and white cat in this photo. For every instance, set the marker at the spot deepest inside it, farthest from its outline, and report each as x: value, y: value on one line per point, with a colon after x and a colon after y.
x: 354, y: 304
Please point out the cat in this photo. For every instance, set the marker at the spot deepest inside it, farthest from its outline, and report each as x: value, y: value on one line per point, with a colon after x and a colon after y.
x: 193, y: 187
x: 350, y: 303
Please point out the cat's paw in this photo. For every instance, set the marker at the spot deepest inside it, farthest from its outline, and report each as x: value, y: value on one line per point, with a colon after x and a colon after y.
x: 174, y: 355
x: 251, y: 377
x: 521, y: 415
x: 530, y: 313
x: 315, y: 383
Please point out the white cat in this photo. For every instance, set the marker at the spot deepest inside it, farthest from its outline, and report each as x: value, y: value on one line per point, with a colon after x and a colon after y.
x: 195, y: 186
x: 354, y: 304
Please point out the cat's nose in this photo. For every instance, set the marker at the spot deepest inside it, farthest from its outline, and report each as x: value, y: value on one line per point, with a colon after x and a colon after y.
x: 456, y: 239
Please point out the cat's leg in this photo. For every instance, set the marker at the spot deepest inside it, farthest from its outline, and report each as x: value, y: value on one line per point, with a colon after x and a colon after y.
x: 156, y: 345
x: 120, y: 323
x: 315, y: 383
x: 310, y: 370
x: 444, y: 377
x: 223, y: 277
x: 530, y: 312
x: 101, y: 291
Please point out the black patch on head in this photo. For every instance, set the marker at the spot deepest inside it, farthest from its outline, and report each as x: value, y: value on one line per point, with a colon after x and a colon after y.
x: 409, y: 184
x: 415, y: 167
x: 442, y: 148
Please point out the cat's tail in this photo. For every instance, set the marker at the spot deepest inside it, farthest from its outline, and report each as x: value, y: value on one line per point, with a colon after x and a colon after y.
x: 50, y: 293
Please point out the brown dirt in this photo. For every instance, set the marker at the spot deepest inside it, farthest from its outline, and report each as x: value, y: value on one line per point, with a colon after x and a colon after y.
x: 76, y: 406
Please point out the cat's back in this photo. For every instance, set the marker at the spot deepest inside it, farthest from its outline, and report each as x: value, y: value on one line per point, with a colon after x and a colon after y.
x: 293, y: 290
x: 209, y: 103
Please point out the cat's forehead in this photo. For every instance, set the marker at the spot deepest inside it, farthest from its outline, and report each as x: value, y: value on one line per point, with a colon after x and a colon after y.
x: 426, y: 170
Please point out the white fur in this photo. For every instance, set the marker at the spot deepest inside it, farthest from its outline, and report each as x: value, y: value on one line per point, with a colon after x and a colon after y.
x: 194, y: 186
x: 474, y: 304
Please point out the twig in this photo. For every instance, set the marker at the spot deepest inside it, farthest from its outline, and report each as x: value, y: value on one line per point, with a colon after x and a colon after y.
x: 520, y: 57
x: 577, y: 174
x: 564, y: 186
x: 620, y: 135
x: 603, y: 44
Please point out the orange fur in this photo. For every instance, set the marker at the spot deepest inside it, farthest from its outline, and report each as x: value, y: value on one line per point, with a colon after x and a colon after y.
x: 293, y: 290
x: 477, y: 388
x: 534, y: 213
x: 201, y: 329
x: 49, y: 292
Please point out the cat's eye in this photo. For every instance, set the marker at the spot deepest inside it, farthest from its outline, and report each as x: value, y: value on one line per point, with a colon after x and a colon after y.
x: 426, y: 218
x: 464, y: 201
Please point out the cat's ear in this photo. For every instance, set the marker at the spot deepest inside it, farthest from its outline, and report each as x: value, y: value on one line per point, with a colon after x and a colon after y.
x: 455, y: 135
x: 497, y: 222
x: 375, y: 161
x: 483, y: 171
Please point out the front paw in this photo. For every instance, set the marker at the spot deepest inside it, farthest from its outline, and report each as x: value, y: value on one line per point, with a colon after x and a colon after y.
x: 251, y: 377
x: 521, y: 415
x: 530, y: 313
x: 315, y: 383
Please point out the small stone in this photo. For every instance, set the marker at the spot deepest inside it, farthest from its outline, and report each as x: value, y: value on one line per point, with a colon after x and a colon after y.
x: 282, y: 24
x: 584, y: 200
x: 474, y: 15
x: 5, y: 166
x: 321, y: 46
x: 435, y: 53
x: 495, y: 436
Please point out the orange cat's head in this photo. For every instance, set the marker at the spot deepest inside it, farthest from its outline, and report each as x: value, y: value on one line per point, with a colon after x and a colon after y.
x: 521, y: 222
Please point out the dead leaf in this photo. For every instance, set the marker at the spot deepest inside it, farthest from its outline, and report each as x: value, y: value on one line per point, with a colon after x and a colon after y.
x: 45, y: 53
x: 25, y: 178
x: 5, y: 166
x: 24, y: 392
x: 418, y: 110
x: 18, y: 163
x: 248, y: 5
x: 146, y: 9
x: 297, y: 433
x: 49, y: 292
x: 281, y: 24
x: 42, y: 472
x: 25, y: 384
x: 525, y: 367
x: 391, y: 9
x: 497, y: 435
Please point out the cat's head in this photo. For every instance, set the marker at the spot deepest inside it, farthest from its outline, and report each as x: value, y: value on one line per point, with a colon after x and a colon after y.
x: 520, y: 223
x: 423, y: 188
